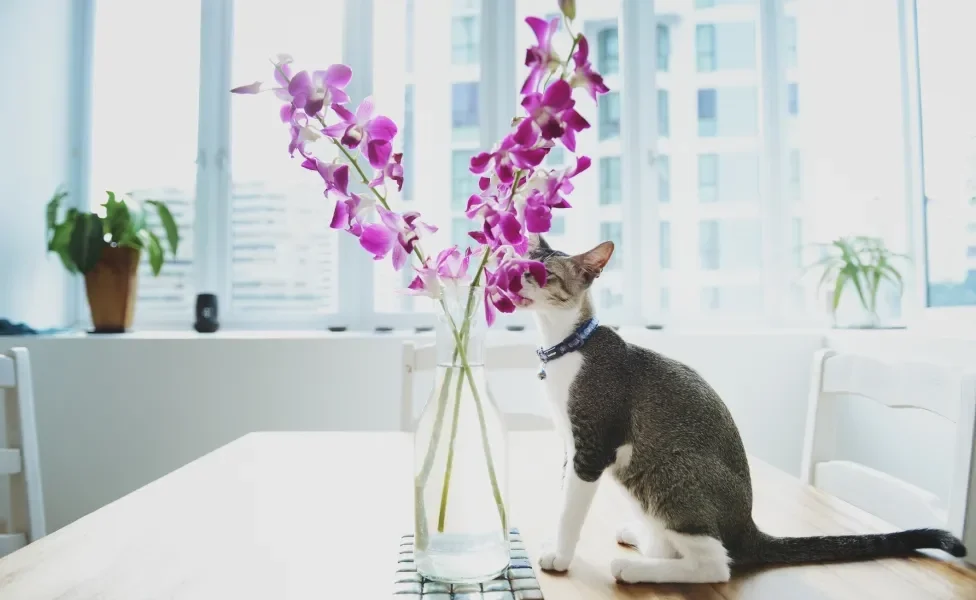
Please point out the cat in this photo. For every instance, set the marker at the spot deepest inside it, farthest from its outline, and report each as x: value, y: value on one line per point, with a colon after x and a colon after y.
x: 663, y: 433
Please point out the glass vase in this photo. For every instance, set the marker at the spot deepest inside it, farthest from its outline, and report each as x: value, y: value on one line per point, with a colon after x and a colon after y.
x: 460, y: 454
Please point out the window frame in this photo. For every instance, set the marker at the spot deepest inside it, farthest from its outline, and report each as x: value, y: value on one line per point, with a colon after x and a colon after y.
x: 915, y: 300
x: 637, y: 57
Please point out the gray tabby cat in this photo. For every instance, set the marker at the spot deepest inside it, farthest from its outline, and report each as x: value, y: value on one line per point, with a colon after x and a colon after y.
x: 667, y: 437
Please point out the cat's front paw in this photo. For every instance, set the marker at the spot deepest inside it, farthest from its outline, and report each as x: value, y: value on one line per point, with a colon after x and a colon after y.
x: 552, y: 560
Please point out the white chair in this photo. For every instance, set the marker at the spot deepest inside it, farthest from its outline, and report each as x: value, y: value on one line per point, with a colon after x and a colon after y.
x: 20, y: 460
x: 948, y: 393
x: 418, y: 359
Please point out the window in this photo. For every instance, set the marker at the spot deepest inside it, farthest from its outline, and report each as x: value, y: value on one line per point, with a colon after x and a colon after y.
x: 461, y: 179
x: 464, y: 110
x: 726, y: 46
x: 465, y: 32
x: 460, y: 226
x: 663, y: 47
x: 795, y: 175
x: 558, y: 226
x: 283, y: 255
x: 708, y: 178
x: 608, y: 51
x: 609, y: 108
x: 728, y: 177
x: 707, y: 110
x: 610, y: 299
x: 663, y: 178
x: 949, y: 155
x: 790, y: 23
x: 732, y: 300
x: 556, y: 157
x: 705, y: 40
x: 408, y: 145
x: 268, y: 222
x: 665, y: 250
x: 663, y: 121
x: 794, y: 99
x: 730, y: 244
x: 612, y: 231
x: 797, y: 242
x: 125, y: 35
x: 610, y: 180
x: 728, y: 112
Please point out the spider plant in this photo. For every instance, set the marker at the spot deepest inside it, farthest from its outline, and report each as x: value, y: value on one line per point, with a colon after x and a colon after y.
x: 861, y: 263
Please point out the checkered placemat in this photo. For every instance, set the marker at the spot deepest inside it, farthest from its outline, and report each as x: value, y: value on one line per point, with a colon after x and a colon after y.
x: 517, y: 583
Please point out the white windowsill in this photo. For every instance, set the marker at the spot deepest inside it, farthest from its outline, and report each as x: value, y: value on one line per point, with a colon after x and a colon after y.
x: 526, y: 336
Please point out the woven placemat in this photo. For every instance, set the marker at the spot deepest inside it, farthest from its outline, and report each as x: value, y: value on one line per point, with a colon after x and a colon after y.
x: 517, y: 583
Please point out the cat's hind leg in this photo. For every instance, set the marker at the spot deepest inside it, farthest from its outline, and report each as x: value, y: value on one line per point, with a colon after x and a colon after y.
x: 701, y: 559
x: 648, y: 538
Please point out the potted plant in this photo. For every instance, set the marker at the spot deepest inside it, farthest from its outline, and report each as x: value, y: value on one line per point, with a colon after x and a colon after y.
x: 861, y: 264
x: 106, y: 248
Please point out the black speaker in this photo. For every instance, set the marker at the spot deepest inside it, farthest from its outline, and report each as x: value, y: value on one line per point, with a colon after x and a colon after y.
x: 206, y: 314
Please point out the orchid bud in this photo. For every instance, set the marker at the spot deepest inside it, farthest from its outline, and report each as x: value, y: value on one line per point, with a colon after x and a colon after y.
x: 568, y: 8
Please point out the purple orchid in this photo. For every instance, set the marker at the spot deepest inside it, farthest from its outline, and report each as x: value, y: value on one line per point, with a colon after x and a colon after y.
x: 559, y: 184
x: 517, y: 151
x: 540, y: 58
x: 504, y: 284
x: 350, y: 214
x: 335, y: 175
x: 583, y: 75
x: 508, y: 208
x: 501, y: 223
x: 553, y: 113
x: 363, y: 127
x: 393, y: 170
x: 312, y: 92
x: 450, y: 265
x: 395, y: 232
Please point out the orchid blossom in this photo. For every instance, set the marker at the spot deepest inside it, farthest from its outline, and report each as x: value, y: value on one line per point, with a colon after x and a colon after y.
x: 363, y: 127
x: 515, y: 195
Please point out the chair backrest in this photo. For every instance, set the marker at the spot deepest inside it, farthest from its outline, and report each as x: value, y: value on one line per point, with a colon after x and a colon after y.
x: 20, y: 459
x: 417, y: 359
x: 947, y: 393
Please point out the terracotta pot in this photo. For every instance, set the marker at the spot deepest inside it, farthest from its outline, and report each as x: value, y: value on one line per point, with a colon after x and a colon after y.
x: 111, y: 289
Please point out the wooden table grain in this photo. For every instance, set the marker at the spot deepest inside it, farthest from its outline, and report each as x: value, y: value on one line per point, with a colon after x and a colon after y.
x: 319, y: 515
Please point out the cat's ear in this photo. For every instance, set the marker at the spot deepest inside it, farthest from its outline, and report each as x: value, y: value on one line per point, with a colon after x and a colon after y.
x: 538, y: 243
x: 593, y: 262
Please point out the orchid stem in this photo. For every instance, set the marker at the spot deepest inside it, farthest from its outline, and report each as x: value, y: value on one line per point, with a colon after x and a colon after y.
x: 450, y: 454
x: 462, y: 340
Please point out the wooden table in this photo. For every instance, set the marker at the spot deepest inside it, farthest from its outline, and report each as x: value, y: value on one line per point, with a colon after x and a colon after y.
x: 297, y: 515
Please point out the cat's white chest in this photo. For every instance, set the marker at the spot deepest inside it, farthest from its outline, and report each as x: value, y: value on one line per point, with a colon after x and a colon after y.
x: 560, y: 374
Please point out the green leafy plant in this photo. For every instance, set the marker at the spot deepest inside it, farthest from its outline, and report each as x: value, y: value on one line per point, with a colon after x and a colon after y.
x: 860, y: 262
x: 80, y: 237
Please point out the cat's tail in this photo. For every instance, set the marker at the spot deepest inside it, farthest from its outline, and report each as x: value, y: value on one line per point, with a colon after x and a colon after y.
x: 767, y: 549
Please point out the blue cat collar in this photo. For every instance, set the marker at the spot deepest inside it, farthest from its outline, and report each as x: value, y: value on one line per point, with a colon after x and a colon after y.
x: 574, y: 342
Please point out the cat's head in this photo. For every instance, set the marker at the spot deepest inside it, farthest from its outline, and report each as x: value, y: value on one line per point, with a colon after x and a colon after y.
x: 568, y: 277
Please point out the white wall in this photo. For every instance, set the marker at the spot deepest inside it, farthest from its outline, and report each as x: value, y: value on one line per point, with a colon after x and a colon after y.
x: 115, y: 413
x: 35, y: 154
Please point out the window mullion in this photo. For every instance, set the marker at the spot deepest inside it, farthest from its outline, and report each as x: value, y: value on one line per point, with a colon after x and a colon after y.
x: 640, y: 208
x: 916, y: 301
x: 209, y: 223
x: 497, y: 92
x: 355, y: 269
x: 774, y: 203
x: 83, y: 32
